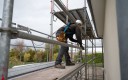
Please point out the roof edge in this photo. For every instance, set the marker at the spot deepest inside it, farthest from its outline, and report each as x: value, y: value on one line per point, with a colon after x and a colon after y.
x: 91, y: 10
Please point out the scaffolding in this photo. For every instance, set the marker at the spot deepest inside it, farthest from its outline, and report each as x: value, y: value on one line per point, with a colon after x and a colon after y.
x: 8, y: 33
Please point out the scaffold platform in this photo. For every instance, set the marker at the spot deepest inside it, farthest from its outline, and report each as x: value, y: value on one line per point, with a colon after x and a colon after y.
x: 50, y: 73
x: 70, y: 73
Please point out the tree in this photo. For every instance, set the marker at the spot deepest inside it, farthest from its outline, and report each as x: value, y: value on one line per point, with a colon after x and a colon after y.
x: 27, y: 57
x: 32, y: 53
x: 13, y: 53
x: 13, y: 61
x: 19, y: 49
x: 38, y: 56
x: 44, y: 56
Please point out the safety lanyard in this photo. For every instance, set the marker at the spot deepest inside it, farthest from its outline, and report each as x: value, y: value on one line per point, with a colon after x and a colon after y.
x: 67, y: 26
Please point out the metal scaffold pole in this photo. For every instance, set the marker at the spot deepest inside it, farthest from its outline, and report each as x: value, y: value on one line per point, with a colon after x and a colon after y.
x: 102, y: 57
x: 93, y: 60
x: 51, y: 31
x: 87, y: 59
x: 5, y: 37
x: 85, y: 41
x: 65, y: 10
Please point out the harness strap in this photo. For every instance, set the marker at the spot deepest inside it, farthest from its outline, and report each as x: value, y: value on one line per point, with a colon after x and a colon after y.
x: 67, y: 26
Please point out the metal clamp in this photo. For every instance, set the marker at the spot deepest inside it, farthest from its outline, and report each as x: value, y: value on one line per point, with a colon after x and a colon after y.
x: 4, y: 29
x: 12, y: 31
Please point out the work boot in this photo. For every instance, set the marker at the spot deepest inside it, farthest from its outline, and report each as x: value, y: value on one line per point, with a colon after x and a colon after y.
x: 70, y: 64
x: 59, y: 66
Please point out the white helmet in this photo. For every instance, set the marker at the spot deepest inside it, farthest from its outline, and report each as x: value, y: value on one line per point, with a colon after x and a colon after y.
x: 78, y: 22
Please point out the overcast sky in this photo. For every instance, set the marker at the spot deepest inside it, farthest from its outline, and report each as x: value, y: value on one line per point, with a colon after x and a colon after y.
x: 36, y: 13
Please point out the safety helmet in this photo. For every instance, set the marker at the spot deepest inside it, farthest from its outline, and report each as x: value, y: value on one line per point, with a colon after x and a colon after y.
x: 78, y: 22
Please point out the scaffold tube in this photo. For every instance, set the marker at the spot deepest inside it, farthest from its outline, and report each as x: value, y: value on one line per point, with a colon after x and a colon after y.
x: 41, y: 39
x: 65, y: 10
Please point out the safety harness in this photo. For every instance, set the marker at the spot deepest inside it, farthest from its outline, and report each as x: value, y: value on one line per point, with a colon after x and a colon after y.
x: 67, y: 26
x: 61, y: 36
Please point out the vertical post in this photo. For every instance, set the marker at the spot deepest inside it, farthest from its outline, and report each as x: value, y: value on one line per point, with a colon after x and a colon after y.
x: 81, y: 59
x: 95, y: 63
x: 92, y: 60
x: 67, y: 15
x: 5, y: 38
x: 102, y: 57
x: 87, y: 60
x: 51, y: 31
x: 85, y: 56
x: 75, y: 55
x: 67, y: 4
x: 85, y: 40
x: 78, y: 55
x: 47, y: 54
x: 71, y: 52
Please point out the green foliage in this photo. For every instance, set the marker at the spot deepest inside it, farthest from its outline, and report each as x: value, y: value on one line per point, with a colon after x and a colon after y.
x: 13, y: 61
x: 32, y: 53
x: 44, y: 56
x: 55, y: 56
x: 20, y: 56
x: 98, y: 58
x: 55, y: 48
x: 40, y: 56
x: 13, y: 53
x: 47, y: 47
x: 27, y: 57
x: 76, y: 57
x: 19, y: 49
x: 55, y: 51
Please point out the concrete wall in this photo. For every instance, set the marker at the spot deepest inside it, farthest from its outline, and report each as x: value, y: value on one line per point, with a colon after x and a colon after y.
x: 110, y: 42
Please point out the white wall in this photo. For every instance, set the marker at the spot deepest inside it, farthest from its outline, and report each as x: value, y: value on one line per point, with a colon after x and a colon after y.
x: 110, y: 39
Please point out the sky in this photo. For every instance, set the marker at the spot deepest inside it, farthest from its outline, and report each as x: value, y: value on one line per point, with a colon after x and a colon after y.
x: 35, y: 14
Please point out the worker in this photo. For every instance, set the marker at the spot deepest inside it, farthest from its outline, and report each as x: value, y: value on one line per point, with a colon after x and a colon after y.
x: 64, y: 33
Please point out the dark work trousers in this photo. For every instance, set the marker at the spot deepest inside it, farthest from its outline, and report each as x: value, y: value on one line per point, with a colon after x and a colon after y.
x: 63, y: 51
